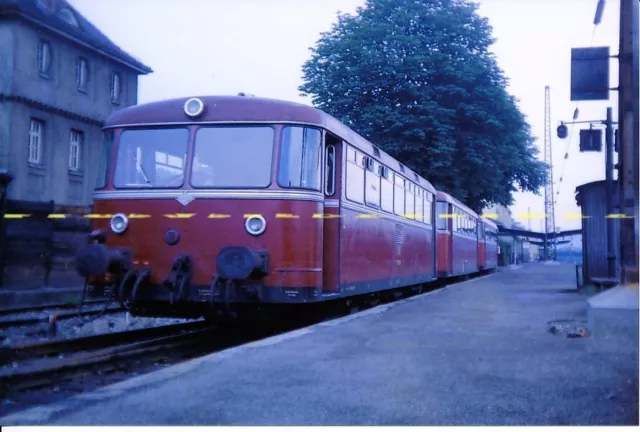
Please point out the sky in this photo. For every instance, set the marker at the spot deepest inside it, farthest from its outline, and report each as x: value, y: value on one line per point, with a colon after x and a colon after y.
x: 198, y: 47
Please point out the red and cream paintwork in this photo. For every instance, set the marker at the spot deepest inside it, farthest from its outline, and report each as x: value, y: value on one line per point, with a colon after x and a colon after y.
x: 457, y: 237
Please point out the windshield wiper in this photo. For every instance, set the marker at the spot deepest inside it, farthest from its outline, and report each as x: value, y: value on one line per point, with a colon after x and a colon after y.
x: 141, y: 170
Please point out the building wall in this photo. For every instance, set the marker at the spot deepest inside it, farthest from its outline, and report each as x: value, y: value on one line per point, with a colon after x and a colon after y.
x: 504, y: 214
x: 6, y: 74
x: 52, y: 179
x: 64, y: 107
x: 59, y: 87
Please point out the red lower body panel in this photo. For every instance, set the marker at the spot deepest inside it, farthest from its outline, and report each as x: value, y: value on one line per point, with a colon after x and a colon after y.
x: 383, y: 252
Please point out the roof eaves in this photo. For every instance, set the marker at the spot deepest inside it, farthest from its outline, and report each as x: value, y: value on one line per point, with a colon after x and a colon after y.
x: 10, y: 7
x: 139, y: 67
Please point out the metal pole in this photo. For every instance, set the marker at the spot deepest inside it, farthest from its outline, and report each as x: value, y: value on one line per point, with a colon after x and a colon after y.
x: 628, y: 133
x: 611, y: 240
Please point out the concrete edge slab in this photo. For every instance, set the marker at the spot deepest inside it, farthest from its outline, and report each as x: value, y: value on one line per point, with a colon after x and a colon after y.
x: 619, y: 297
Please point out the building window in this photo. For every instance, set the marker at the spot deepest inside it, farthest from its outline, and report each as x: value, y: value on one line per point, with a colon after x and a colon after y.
x: 115, y: 87
x: 81, y: 74
x: 44, y: 57
x: 68, y: 16
x: 35, y: 141
x: 75, y: 143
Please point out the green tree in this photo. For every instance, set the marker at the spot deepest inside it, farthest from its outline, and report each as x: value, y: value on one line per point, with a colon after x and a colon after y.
x: 416, y: 78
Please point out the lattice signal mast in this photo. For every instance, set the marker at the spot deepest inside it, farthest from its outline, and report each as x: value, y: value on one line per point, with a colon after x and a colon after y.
x: 549, y: 207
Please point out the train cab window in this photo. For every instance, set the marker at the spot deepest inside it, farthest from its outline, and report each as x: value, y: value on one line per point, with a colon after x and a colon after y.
x: 398, y: 202
x: 105, y: 157
x: 355, y: 176
x: 441, y: 215
x: 232, y: 157
x: 300, y: 158
x: 136, y: 164
x: 330, y: 170
x: 410, y: 201
x: 372, y: 183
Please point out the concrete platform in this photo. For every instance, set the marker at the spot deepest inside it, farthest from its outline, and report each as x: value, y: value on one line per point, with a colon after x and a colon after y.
x: 476, y: 353
x: 613, y: 314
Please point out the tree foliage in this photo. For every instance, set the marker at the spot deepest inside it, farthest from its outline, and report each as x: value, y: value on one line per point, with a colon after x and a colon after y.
x: 416, y: 78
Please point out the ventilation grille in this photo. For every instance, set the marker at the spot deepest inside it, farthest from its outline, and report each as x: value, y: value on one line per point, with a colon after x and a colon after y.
x: 376, y: 151
x: 401, y: 167
x: 416, y: 176
x: 399, y: 234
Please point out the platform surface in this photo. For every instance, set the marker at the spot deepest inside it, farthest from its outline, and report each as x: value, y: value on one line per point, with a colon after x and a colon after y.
x: 475, y: 353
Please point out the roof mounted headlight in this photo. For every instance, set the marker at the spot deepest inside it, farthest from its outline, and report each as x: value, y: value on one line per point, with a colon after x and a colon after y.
x: 193, y: 107
x: 119, y: 223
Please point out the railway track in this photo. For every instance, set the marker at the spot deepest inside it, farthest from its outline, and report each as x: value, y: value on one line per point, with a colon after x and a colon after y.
x: 44, y: 364
x: 52, y: 306
x: 22, y: 321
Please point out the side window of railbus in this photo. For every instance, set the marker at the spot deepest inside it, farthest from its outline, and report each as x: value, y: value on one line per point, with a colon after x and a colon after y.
x: 428, y: 208
x: 442, y: 218
x: 330, y: 164
x: 355, y: 176
x: 386, y: 189
x: 419, y: 211
x: 300, y: 158
x: 105, y: 158
x: 399, y: 195
x: 372, y: 183
x: 410, y: 201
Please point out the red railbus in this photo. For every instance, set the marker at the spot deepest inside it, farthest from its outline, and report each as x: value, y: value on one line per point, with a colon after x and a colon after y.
x: 219, y: 204
x: 224, y: 206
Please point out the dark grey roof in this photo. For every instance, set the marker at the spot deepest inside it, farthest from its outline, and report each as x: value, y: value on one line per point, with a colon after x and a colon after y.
x: 46, y: 13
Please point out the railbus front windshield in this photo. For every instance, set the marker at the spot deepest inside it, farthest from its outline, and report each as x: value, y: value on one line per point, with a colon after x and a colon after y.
x: 223, y: 157
x: 151, y: 158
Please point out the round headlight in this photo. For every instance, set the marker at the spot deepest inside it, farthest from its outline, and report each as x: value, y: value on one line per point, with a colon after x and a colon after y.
x: 119, y: 223
x: 255, y: 225
x: 193, y: 107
